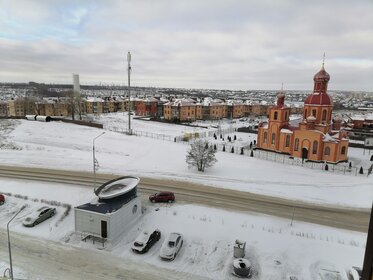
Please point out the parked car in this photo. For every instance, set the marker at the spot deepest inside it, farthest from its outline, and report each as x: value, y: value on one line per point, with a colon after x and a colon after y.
x: 162, y: 197
x: 2, y: 199
x: 41, y: 215
x: 171, y: 246
x: 145, y: 241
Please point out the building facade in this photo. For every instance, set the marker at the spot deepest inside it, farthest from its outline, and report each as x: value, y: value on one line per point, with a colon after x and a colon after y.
x: 317, y: 137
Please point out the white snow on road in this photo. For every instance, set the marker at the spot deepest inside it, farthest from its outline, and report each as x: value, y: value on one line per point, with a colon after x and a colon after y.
x: 67, y: 146
x: 276, y: 249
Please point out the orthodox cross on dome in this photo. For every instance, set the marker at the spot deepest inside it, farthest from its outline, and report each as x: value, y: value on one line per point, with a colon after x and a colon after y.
x: 323, y: 61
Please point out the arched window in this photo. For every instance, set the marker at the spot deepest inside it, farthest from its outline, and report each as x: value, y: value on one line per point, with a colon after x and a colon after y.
x: 273, y: 138
x: 287, y: 141
x: 314, y: 147
x: 275, y: 115
x: 343, y: 151
x: 305, y: 113
x: 265, y: 137
x: 296, y: 145
x: 327, y: 151
x: 324, y: 115
x: 286, y: 116
x: 314, y: 113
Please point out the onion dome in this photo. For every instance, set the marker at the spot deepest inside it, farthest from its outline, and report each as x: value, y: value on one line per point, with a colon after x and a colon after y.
x: 321, y: 76
x: 311, y: 119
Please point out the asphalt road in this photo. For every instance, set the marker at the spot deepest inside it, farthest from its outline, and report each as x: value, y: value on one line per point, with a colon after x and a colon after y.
x: 329, y: 215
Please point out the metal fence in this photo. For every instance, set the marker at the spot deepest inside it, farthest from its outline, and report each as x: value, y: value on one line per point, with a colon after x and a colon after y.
x: 185, y: 138
x: 340, y: 168
x: 141, y: 133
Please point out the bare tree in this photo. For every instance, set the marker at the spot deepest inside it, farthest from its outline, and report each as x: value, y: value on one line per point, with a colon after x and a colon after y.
x: 201, y: 155
x: 75, y: 104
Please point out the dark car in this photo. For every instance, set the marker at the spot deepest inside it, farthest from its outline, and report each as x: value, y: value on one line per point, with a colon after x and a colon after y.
x: 162, y: 197
x: 41, y: 215
x: 2, y: 199
x: 145, y: 241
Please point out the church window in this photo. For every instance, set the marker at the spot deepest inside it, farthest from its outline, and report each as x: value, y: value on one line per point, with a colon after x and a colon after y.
x: 314, y: 113
x: 296, y: 145
x: 275, y: 115
x: 327, y: 151
x: 324, y: 115
x: 287, y: 141
x: 265, y: 137
x: 305, y: 113
x: 343, y: 150
x: 314, y: 148
x: 286, y: 116
x: 273, y: 138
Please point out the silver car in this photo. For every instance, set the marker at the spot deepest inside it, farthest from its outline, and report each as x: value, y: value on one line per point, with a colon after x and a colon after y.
x: 171, y: 246
x: 39, y: 216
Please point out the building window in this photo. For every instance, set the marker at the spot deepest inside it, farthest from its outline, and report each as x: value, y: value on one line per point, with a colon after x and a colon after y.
x: 324, y: 115
x: 343, y: 151
x: 327, y: 151
x: 286, y: 116
x: 305, y: 113
x: 296, y: 145
x: 314, y: 113
x: 287, y: 141
x: 314, y: 148
x: 265, y: 137
x: 275, y: 115
x: 273, y: 138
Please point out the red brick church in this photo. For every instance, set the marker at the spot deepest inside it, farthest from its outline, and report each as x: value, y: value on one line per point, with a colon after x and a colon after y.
x: 316, y: 137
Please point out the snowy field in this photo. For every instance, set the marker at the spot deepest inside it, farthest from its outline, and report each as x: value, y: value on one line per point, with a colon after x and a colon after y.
x: 67, y: 146
x: 276, y: 249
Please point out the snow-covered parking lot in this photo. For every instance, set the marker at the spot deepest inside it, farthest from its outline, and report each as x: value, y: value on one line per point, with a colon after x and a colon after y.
x: 275, y: 249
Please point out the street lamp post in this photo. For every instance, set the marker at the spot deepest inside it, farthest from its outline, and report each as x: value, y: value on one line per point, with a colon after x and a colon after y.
x: 129, y: 92
x: 94, y: 159
x: 10, y: 251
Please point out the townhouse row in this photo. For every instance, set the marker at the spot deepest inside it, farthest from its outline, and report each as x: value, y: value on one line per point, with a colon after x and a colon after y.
x: 181, y: 110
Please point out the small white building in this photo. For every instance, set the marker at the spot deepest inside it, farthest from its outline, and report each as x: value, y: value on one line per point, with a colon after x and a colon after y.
x: 112, y: 212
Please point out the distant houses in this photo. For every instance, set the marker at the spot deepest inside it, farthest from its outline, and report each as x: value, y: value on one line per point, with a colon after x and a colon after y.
x: 171, y: 109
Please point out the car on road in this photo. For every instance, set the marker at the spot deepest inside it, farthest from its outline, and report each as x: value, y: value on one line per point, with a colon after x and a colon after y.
x: 145, y: 241
x: 39, y: 216
x: 162, y: 197
x: 2, y: 199
x: 171, y: 246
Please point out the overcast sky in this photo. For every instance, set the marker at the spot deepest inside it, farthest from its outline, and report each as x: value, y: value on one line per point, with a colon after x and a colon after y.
x: 188, y: 44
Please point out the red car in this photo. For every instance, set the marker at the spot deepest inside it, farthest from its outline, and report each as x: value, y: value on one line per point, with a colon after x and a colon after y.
x: 2, y: 199
x: 162, y: 197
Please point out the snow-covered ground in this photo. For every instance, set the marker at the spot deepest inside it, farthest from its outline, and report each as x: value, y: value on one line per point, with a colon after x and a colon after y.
x: 276, y: 249
x: 68, y: 146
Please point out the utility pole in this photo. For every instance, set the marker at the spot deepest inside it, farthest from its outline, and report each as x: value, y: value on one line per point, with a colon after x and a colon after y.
x: 95, y: 162
x: 10, y: 251
x: 129, y: 92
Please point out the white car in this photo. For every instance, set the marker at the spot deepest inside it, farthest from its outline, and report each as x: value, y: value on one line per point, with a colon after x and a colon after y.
x: 39, y: 216
x: 145, y: 241
x: 171, y: 246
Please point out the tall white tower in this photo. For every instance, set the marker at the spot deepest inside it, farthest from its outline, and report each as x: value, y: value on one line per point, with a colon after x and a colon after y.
x: 76, y: 83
